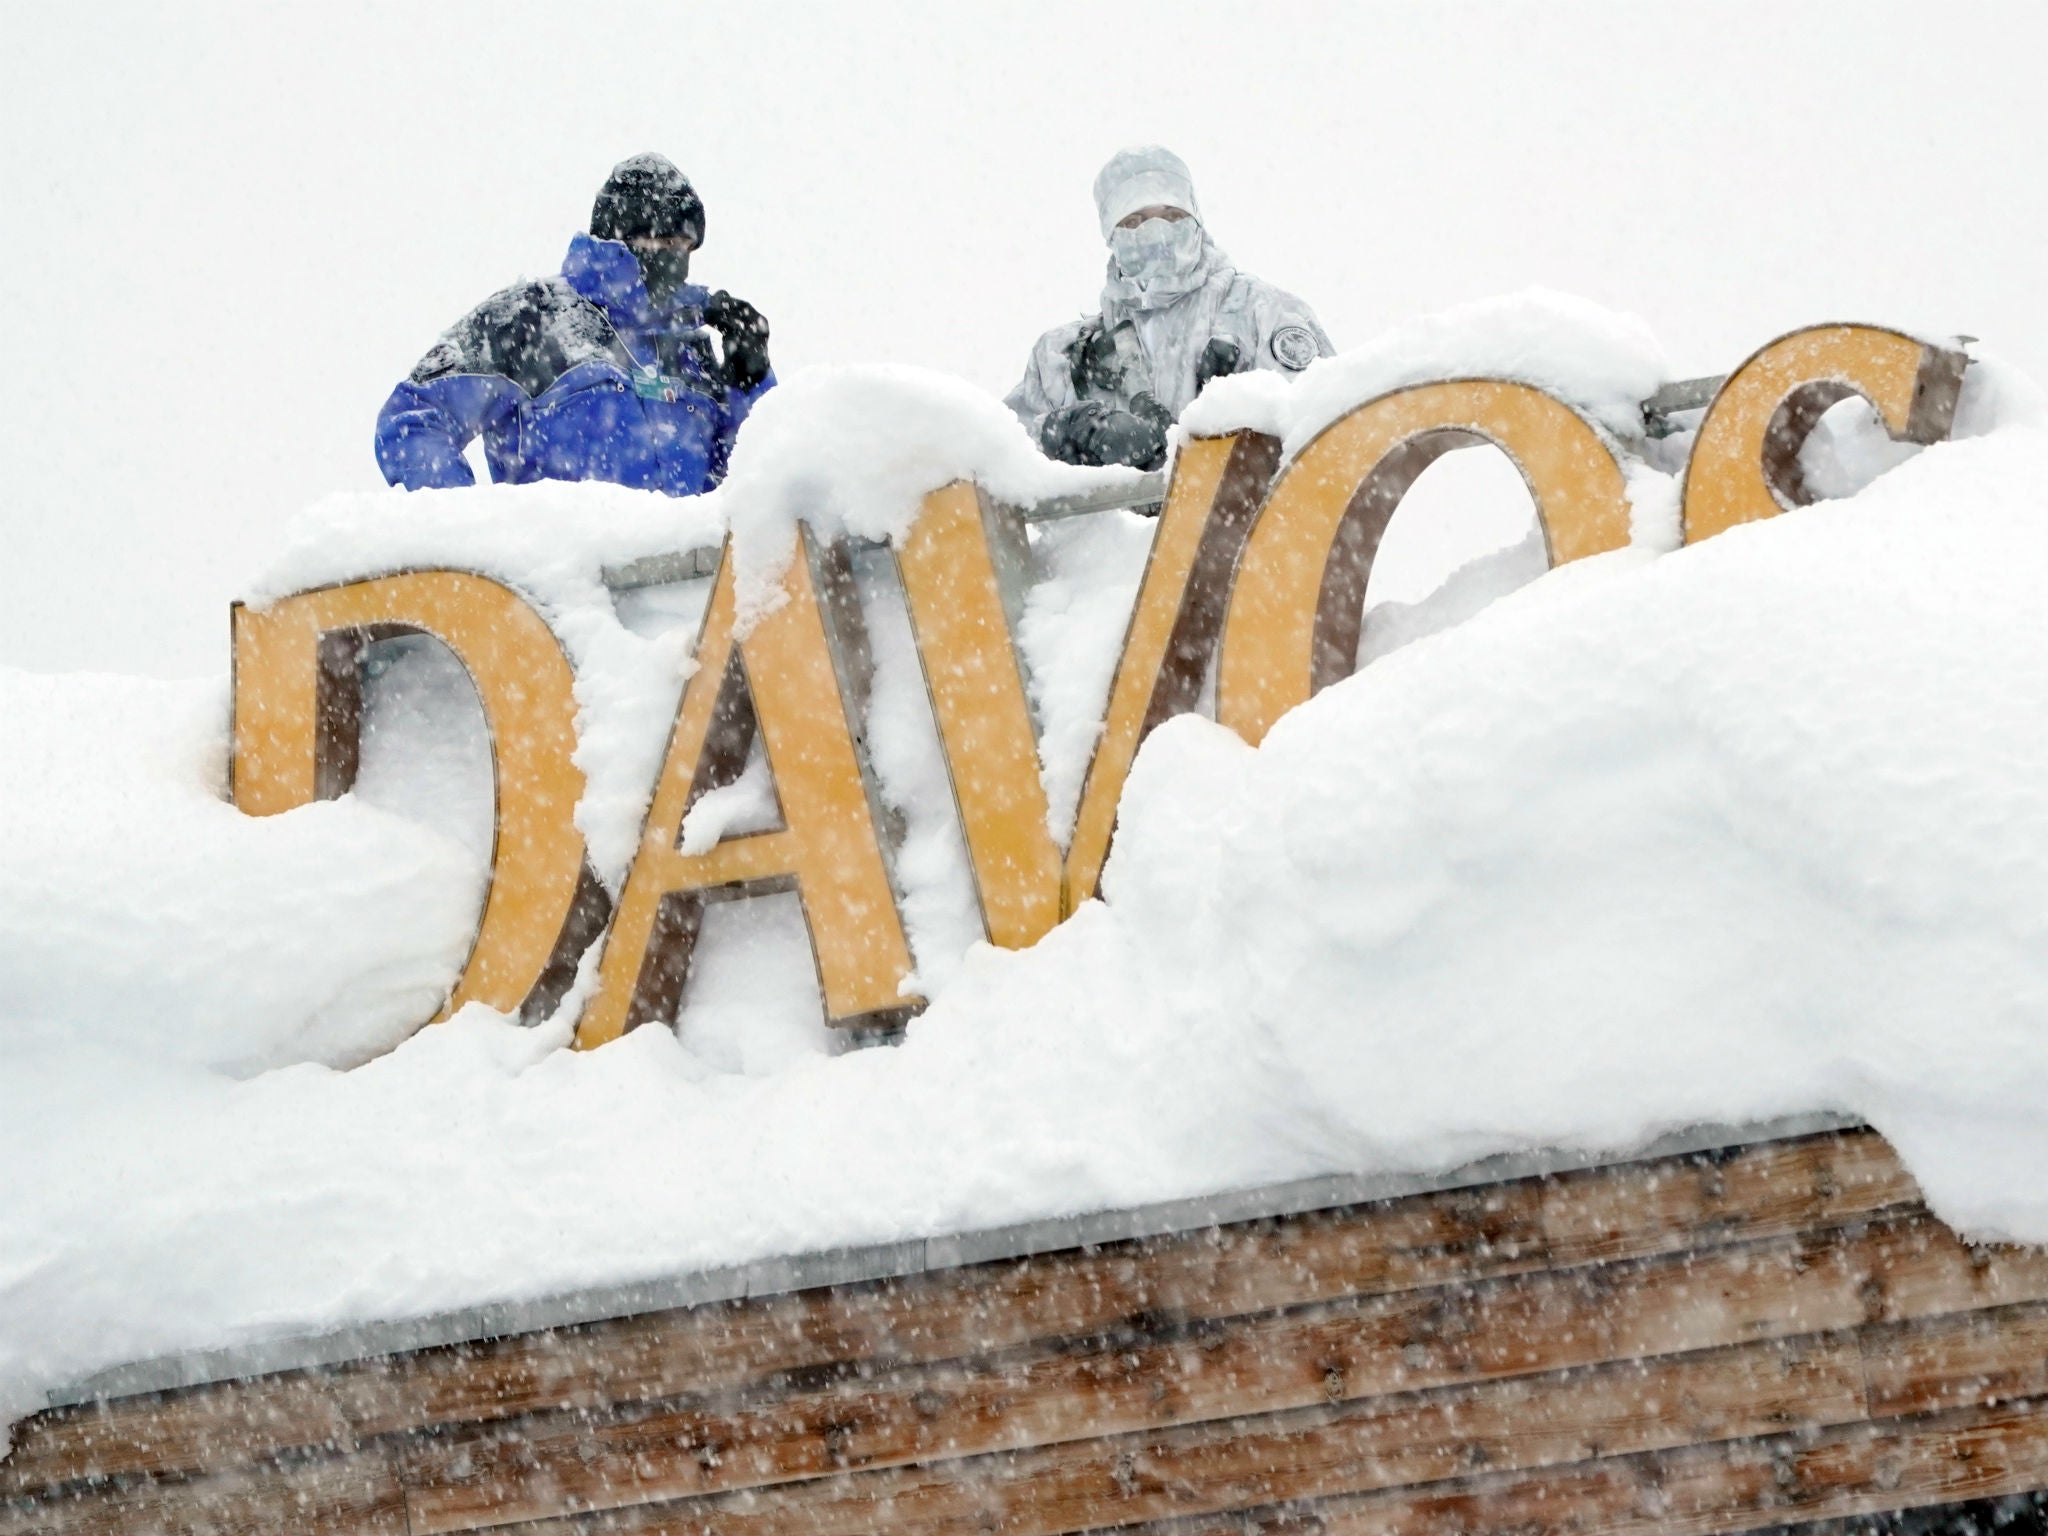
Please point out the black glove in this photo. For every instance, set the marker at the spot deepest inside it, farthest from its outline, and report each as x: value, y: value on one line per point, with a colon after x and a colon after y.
x: 744, y: 330
x: 1092, y: 361
x: 1094, y: 433
x: 1149, y: 410
x: 1221, y: 356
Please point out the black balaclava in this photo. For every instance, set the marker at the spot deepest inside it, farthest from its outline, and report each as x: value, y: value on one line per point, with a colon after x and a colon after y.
x: 664, y: 271
x: 648, y: 196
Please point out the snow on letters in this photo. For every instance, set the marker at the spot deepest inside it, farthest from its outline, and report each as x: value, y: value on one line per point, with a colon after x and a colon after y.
x: 1258, y: 574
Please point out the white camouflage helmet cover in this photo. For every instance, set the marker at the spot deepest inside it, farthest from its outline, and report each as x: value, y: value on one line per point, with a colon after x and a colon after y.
x: 1142, y: 176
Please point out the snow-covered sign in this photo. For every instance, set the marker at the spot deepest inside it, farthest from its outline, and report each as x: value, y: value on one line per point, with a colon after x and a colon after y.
x: 1254, y: 584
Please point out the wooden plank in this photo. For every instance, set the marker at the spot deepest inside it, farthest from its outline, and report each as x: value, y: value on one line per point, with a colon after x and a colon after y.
x: 1959, y: 1361
x: 1624, y: 1211
x: 1706, y: 1491
x: 358, y: 1496
x: 1530, y: 1422
x: 1765, y: 1190
x: 1336, y: 1352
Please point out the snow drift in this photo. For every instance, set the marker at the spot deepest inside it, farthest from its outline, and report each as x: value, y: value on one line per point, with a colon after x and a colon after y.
x: 1738, y: 830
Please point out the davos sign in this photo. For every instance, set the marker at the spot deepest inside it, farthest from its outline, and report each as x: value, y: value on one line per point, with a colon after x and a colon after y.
x: 1257, y: 573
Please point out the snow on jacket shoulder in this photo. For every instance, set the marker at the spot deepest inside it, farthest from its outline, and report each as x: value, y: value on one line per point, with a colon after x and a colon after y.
x: 576, y: 377
x: 1159, y: 352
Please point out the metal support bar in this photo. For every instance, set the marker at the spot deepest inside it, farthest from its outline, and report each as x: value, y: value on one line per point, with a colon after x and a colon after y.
x: 1684, y: 395
x: 659, y: 570
x: 1146, y: 493
x: 1679, y: 398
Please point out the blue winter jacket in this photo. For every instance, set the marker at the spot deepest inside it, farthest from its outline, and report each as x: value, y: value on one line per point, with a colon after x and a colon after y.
x: 577, y: 377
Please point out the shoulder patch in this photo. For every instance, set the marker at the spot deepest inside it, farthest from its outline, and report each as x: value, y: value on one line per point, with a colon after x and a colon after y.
x: 1294, y: 347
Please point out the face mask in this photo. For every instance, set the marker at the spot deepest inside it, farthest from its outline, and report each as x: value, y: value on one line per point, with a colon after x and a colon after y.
x: 664, y: 271
x: 1157, y: 253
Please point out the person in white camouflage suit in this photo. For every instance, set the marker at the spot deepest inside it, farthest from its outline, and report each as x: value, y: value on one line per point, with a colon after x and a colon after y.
x: 1175, y: 314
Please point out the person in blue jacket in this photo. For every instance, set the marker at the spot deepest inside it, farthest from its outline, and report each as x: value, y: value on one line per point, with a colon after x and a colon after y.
x: 607, y: 372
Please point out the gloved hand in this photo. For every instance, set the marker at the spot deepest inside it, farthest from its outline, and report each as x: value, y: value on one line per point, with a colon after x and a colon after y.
x: 744, y: 330
x: 1092, y: 361
x: 1221, y: 356
x: 1092, y: 432
x: 1147, y: 409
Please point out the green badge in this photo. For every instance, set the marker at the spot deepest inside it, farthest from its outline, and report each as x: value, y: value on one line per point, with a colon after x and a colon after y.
x: 653, y: 384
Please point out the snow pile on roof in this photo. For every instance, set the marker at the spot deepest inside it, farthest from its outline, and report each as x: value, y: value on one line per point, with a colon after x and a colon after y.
x: 1739, y: 830
x: 1755, y: 827
x: 141, y: 915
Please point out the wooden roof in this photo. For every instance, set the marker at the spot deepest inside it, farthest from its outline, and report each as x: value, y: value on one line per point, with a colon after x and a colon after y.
x: 1704, y: 1341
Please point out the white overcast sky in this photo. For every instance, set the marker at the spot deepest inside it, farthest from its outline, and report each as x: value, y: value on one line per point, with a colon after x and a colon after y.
x: 228, y: 230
